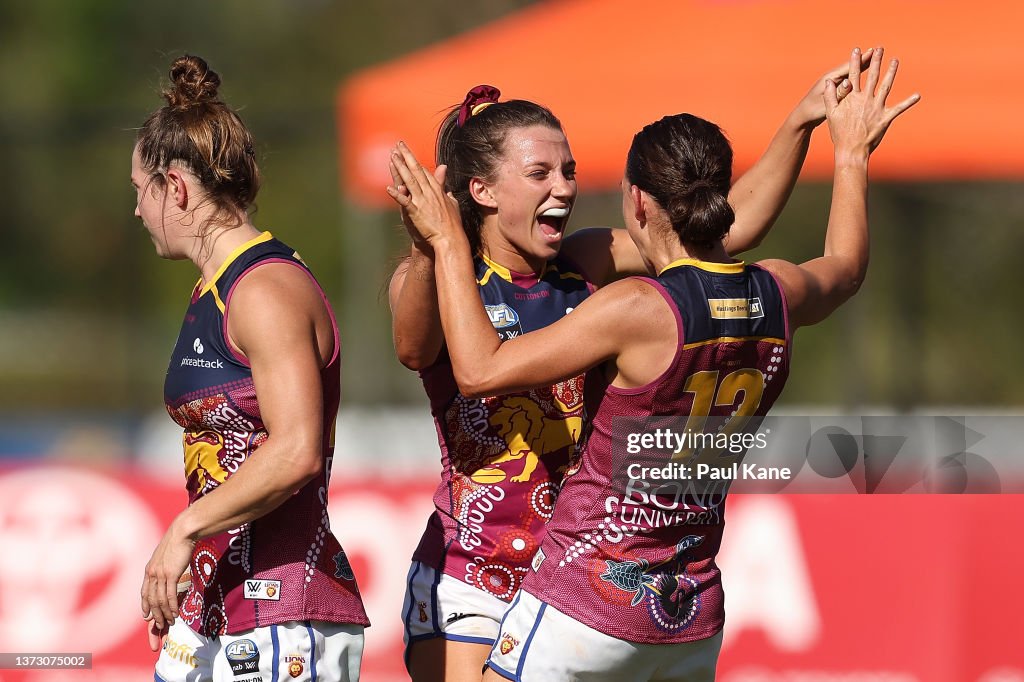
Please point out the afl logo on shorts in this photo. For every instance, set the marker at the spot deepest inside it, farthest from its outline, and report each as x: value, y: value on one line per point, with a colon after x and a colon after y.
x: 243, y: 656
x: 502, y: 316
x: 508, y: 643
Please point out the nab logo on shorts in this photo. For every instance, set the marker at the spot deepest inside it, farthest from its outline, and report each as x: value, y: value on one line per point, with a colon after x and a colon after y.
x: 263, y: 589
x: 243, y: 656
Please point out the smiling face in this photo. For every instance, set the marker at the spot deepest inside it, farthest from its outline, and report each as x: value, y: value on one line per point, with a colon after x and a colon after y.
x: 529, y: 198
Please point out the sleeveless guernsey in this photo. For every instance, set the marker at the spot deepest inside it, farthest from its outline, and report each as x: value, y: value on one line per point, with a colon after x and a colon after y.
x: 502, y: 457
x: 286, y: 565
x: 635, y: 559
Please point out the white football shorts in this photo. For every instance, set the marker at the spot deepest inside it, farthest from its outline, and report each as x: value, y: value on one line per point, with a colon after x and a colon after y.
x: 438, y: 605
x: 539, y: 643
x: 297, y: 650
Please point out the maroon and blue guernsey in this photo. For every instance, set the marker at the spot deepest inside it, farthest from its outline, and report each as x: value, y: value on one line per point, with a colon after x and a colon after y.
x: 503, y: 457
x: 286, y: 565
x: 634, y: 556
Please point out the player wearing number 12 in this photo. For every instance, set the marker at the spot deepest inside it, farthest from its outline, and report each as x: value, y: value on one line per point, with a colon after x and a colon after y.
x: 707, y: 336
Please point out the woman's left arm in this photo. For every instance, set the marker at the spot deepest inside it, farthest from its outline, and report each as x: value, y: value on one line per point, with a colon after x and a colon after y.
x: 278, y: 320
x: 757, y: 197
x: 761, y: 193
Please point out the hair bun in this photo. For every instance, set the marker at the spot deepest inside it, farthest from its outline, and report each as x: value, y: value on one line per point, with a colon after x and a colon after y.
x: 193, y: 82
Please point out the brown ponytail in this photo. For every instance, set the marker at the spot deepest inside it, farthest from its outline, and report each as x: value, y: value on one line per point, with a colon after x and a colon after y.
x: 201, y: 133
x: 685, y: 163
x: 475, y: 147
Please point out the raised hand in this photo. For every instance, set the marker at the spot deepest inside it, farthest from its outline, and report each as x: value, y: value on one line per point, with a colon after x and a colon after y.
x: 428, y: 211
x: 859, y: 122
x: 811, y: 109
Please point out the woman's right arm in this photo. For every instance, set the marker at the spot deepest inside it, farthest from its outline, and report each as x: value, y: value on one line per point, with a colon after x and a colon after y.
x: 816, y: 288
x: 483, y: 365
x: 415, y: 319
x: 415, y: 316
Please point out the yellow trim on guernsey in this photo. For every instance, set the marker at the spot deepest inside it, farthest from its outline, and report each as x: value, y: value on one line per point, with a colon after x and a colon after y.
x: 565, y: 275
x: 265, y: 237
x: 492, y: 267
x: 486, y: 277
x: 722, y: 268
x: 216, y: 298
x: 734, y: 339
x: 506, y: 274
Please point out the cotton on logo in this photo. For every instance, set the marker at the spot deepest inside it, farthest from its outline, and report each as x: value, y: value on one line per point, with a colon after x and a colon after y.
x: 197, y: 346
x: 74, y: 547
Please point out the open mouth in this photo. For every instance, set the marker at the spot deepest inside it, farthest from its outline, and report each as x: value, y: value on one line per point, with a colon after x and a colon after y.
x: 552, y: 222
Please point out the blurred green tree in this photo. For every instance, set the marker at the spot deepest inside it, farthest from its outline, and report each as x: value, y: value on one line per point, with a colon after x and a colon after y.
x: 88, y: 314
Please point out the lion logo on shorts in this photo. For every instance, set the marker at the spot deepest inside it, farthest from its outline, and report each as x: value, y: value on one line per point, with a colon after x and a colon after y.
x: 508, y: 643
x: 296, y: 664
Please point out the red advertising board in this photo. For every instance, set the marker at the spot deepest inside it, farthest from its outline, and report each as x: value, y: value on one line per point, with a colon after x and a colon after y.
x: 849, y: 588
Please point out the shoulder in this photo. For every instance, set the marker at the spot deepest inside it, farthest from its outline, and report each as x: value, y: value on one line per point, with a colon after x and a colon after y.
x: 791, y: 278
x: 632, y: 302
x: 587, y: 238
x: 591, y: 250
x: 278, y: 287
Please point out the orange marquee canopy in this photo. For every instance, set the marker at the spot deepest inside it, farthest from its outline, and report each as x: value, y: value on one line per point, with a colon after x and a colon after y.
x: 608, y: 67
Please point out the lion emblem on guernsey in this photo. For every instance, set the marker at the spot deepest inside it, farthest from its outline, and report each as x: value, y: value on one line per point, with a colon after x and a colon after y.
x: 529, y: 435
x: 485, y: 433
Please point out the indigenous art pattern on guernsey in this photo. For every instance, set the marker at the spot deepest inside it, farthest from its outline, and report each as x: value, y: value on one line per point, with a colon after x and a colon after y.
x: 218, y: 435
x: 510, y: 437
x: 664, y: 589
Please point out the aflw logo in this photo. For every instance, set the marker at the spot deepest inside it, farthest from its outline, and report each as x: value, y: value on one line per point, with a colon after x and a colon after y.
x: 263, y: 589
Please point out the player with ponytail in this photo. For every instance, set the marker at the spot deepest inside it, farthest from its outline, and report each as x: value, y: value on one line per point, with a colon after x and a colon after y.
x: 248, y: 579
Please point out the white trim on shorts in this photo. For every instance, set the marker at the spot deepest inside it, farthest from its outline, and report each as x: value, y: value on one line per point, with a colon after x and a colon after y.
x: 432, y: 599
x: 541, y: 643
x: 326, y: 652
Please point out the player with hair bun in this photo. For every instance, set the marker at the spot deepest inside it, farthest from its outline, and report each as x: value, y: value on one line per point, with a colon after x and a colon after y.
x: 254, y: 382
x: 600, y: 603
x: 512, y: 175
